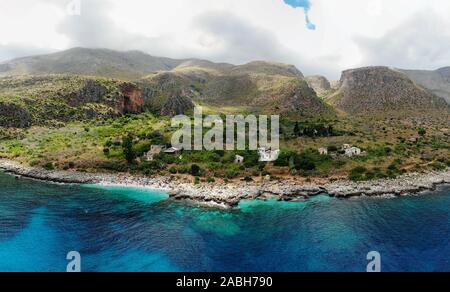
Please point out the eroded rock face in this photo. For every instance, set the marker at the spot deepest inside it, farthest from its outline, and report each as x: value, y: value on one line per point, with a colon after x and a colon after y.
x: 296, y: 97
x: 92, y: 92
x: 177, y: 105
x: 132, y: 100
x: 14, y: 116
x: 127, y: 99
x: 382, y: 89
x: 320, y: 84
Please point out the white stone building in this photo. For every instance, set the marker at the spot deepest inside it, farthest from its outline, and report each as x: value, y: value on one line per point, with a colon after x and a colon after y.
x: 268, y: 155
x: 353, y: 151
x: 323, y: 151
x: 239, y: 159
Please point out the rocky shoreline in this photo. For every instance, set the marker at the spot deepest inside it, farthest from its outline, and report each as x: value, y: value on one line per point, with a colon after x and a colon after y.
x: 229, y: 195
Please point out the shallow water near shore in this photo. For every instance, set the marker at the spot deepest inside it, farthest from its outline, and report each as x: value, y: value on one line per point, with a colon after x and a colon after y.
x: 118, y: 229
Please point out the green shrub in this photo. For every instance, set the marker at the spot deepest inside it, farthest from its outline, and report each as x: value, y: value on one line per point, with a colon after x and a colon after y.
x: 128, y: 150
x: 34, y: 163
x: 115, y: 166
x: 184, y: 169
x: 438, y: 166
x: 358, y: 173
x: 306, y: 161
x: 230, y: 174
x: 49, y: 166
x: 195, y: 170
x: 283, y: 158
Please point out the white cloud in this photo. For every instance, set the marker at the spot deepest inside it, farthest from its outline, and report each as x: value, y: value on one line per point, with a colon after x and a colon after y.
x: 349, y: 33
x: 419, y: 43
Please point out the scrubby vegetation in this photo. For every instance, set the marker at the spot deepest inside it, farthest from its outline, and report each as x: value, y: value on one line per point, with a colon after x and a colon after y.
x: 81, y: 123
x: 119, y: 144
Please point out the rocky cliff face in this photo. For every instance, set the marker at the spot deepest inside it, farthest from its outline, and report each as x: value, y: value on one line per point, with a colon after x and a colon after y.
x: 255, y: 87
x: 382, y: 89
x: 14, y: 116
x: 177, y: 105
x: 131, y: 99
x: 167, y: 94
x: 126, y: 99
x: 92, y: 92
x: 320, y: 84
x: 48, y: 100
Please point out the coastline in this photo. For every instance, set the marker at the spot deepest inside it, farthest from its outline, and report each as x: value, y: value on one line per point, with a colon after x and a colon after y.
x: 229, y: 195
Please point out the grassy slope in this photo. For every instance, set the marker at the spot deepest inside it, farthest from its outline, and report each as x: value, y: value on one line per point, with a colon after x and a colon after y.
x: 47, y: 98
x: 81, y: 145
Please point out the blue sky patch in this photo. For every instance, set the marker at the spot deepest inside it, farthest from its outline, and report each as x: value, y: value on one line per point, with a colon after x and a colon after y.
x: 306, y: 5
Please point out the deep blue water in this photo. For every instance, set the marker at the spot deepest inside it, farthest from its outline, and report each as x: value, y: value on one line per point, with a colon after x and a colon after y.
x: 133, y: 230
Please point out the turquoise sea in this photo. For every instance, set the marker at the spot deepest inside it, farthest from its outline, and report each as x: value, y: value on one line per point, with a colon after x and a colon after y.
x: 116, y: 229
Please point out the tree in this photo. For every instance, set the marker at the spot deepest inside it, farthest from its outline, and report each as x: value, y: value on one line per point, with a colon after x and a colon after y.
x: 422, y: 132
x: 195, y: 170
x: 283, y: 158
x: 128, y: 150
x: 306, y: 161
x: 297, y: 132
x: 357, y: 174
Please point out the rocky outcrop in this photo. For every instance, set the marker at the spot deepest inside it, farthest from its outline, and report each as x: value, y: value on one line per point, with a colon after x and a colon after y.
x: 320, y: 84
x: 268, y: 68
x: 380, y: 89
x: 92, y: 92
x: 177, y: 105
x: 131, y: 99
x: 229, y: 195
x: 14, y: 116
x: 294, y: 98
x: 256, y: 87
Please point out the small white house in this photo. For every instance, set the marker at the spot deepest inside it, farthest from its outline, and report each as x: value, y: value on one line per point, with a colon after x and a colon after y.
x: 239, y: 159
x: 353, y: 151
x: 323, y: 151
x: 268, y: 155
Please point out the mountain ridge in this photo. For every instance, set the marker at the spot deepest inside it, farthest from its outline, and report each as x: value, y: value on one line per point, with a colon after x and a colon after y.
x: 382, y: 89
x: 174, y: 86
x: 437, y: 81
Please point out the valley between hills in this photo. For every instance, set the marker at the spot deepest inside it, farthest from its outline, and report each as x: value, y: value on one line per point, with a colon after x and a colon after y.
x: 100, y: 111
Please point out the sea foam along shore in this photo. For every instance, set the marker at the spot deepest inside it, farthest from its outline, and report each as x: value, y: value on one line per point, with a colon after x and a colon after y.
x: 229, y: 195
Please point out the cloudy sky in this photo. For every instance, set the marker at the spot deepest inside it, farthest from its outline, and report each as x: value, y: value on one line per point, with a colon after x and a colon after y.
x: 318, y: 36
